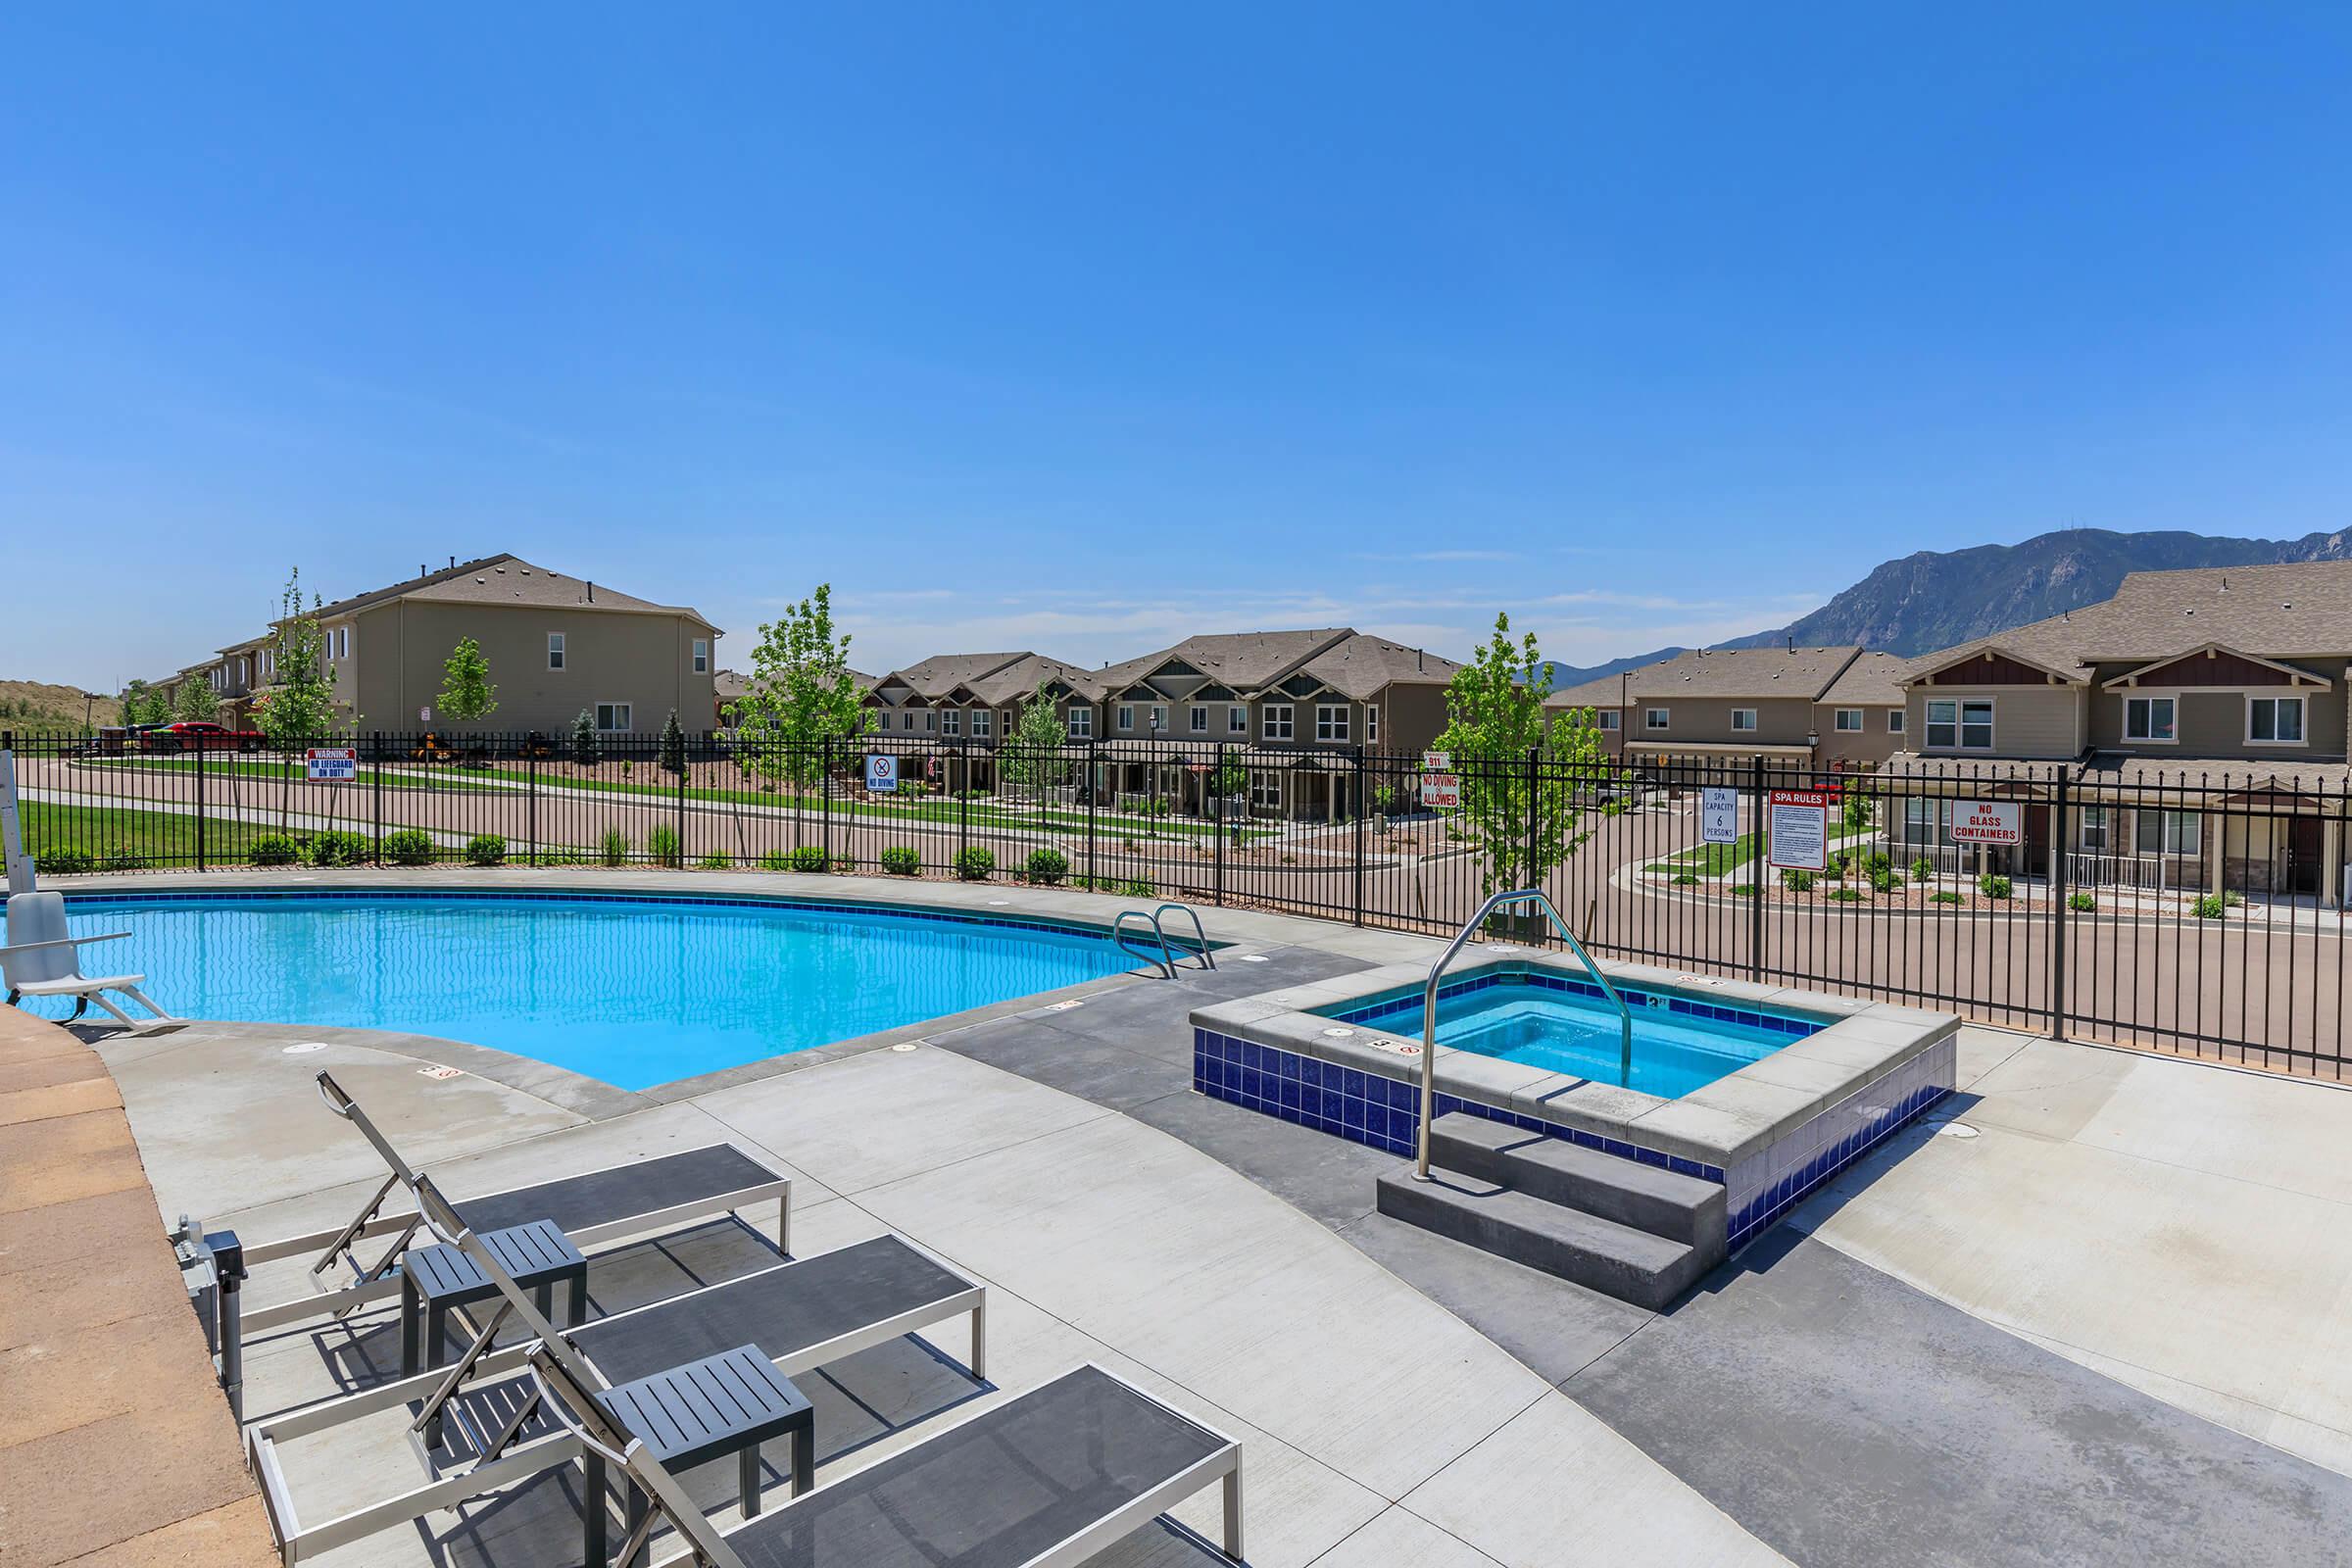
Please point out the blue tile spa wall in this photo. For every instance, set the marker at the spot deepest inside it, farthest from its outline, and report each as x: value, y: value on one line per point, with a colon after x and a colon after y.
x: 1400, y: 1008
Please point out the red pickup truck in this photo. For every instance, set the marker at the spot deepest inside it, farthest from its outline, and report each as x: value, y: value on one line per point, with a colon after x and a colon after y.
x: 198, y: 735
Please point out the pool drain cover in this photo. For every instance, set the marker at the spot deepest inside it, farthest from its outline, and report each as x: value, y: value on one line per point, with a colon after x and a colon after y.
x: 303, y: 1048
x: 1338, y: 1034
x: 1955, y: 1129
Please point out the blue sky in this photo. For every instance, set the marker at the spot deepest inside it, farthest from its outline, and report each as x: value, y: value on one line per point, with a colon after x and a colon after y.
x: 1082, y: 327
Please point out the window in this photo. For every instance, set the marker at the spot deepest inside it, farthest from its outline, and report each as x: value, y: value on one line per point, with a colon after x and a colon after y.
x: 1159, y: 717
x: 930, y: 721
x: 981, y: 723
x: 1265, y: 789
x: 1925, y: 820
x: 2168, y: 832
x: 242, y: 675
x: 555, y: 650
x: 1277, y: 722
x: 1372, y: 724
x: 951, y: 722
x: 2094, y: 828
x: 2275, y: 720
x: 702, y: 656
x: 1126, y: 717
x: 1605, y: 718
x: 2149, y: 718
x: 1082, y: 722
x: 1331, y: 721
x: 342, y: 642
x: 1743, y: 719
x: 1237, y: 721
x: 1894, y: 721
x: 1848, y: 720
x: 614, y: 719
x: 1199, y: 719
x: 1960, y: 724
x: 1654, y: 718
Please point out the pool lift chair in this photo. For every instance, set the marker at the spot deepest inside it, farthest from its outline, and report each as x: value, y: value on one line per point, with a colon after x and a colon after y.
x: 42, y: 959
x: 706, y: 1371
x: 1051, y: 1478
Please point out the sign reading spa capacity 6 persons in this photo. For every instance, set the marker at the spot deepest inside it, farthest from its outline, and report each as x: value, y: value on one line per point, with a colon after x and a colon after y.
x: 1798, y: 821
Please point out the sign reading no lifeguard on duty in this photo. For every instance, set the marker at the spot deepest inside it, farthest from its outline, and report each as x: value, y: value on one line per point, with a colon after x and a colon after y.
x: 331, y: 764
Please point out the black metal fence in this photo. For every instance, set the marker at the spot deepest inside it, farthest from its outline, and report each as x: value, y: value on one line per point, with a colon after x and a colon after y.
x: 2194, y: 911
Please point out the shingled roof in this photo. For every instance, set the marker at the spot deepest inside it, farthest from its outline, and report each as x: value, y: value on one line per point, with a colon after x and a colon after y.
x: 1804, y: 674
x: 506, y: 579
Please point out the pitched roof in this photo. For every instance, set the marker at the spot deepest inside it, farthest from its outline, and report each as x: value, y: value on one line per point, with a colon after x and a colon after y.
x: 1024, y: 675
x: 1242, y: 659
x: 942, y: 673
x: 511, y: 580
x: 1803, y: 674
x: 1872, y: 680
x: 2300, y: 609
x: 1361, y: 665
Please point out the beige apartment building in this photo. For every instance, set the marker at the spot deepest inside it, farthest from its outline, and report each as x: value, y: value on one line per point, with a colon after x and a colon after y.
x: 557, y: 646
x: 1837, y: 707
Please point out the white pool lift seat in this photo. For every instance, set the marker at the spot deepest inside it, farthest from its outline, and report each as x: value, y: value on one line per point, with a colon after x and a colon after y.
x: 41, y: 959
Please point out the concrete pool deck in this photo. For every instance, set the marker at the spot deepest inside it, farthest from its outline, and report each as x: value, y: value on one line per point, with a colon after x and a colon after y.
x: 2137, y: 1268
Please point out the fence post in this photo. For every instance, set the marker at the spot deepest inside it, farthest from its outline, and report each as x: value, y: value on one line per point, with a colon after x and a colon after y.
x: 1359, y: 835
x: 199, y: 845
x: 531, y: 791
x: 1216, y: 825
x: 376, y: 839
x: 825, y: 810
x: 1762, y: 862
x: 1535, y: 756
x: 685, y: 766
x: 2057, y: 883
x: 1094, y: 787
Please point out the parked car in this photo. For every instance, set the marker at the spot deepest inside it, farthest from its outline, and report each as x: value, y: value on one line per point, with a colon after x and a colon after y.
x: 200, y: 735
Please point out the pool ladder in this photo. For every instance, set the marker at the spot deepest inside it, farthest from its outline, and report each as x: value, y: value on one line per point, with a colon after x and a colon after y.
x: 1428, y: 1006
x: 1166, y: 956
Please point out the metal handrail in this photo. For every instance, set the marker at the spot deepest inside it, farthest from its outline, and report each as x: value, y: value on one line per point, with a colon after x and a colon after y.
x: 1429, y: 1004
x: 1166, y: 959
x: 1199, y: 933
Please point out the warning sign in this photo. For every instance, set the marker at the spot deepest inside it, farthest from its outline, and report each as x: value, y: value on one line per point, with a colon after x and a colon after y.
x: 1440, y: 786
x: 331, y: 764
x: 1988, y: 822
x: 1799, y: 825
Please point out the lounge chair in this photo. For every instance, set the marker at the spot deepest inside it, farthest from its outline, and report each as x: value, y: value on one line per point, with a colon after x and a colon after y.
x: 41, y: 960
x: 594, y: 1206
x: 795, y: 1316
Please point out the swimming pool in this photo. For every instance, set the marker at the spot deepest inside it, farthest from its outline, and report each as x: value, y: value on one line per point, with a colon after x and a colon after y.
x: 1568, y: 1026
x: 630, y: 990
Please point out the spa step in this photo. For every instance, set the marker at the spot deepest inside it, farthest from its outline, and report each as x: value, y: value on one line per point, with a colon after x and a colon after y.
x: 1681, y: 1208
x: 1601, y: 1255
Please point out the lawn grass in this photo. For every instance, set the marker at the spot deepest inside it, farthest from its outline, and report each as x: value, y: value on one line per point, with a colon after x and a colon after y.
x: 122, y: 840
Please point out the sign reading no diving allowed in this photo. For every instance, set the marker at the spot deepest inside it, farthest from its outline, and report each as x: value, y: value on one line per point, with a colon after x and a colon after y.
x: 882, y: 774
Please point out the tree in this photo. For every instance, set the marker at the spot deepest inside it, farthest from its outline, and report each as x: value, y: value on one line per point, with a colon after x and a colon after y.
x: 1037, y: 735
x: 467, y: 694
x: 299, y: 707
x: 586, y: 749
x: 1522, y: 822
x: 143, y: 704
x: 674, y: 745
x: 197, y: 702
x: 800, y: 694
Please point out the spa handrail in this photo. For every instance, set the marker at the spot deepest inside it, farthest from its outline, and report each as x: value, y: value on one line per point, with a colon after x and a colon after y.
x: 1429, y: 1004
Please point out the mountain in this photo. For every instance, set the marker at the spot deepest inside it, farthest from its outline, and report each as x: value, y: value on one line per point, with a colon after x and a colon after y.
x: 31, y: 708
x: 1935, y: 598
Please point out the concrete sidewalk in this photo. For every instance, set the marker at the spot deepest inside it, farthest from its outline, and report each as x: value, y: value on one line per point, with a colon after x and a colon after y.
x: 116, y: 1444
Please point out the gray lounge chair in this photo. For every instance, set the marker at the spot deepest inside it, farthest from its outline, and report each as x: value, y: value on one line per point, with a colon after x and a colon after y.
x: 1047, y: 1479
x: 796, y: 1317
x: 41, y: 959
x: 594, y: 1206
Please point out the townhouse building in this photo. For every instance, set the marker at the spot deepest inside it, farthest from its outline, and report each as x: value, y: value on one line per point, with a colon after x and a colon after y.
x: 2199, y: 718
x: 1837, y: 707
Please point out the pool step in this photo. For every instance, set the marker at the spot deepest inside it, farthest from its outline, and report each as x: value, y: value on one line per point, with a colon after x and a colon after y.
x: 1633, y: 1231
x: 1618, y: 1260
x: 1683, y: 1209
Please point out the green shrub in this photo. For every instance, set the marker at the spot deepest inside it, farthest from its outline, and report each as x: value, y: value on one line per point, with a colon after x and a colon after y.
x: 1140, y: 889
x: 902, y: 860
x: 1877, y: 863
x: 2082, y: 902
x: 276, y: 848
x: 1796, y: 881
x: 1847, y: 895
x: 1884, y: 879
x: 1857, y: 813
x: 712, y: 862
x: 1049, y: 867
x: 1688, y: 879
x: 1923, y: 869
x: 2213, y: 906
x: 1743, y: 890
x: 662, y: 843
x: 411, y: 845
x: 122, y: 857
x: 486, y: 848
x: 975, y: 864
x: 338, y: 849
x: 1993, y: 887
x: 63, y: 862
x: 775, y: 861
x: 614, y: 847
x: 1947, y: 895
x: 808, y: 857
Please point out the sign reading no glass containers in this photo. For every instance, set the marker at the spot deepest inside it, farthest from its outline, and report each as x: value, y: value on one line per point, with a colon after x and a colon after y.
x: 1800, y: 824
x: 1988, y: 822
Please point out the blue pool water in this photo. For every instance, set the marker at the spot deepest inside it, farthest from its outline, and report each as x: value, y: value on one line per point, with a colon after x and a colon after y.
x: 1680, y: 1044
x: 635, y: 992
